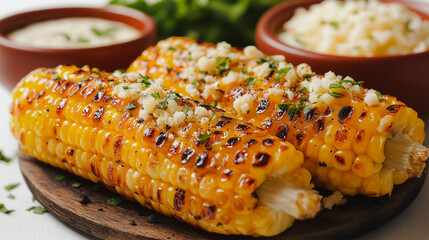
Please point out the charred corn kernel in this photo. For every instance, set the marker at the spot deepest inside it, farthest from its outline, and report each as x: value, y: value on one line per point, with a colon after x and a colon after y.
x: 202, y: 166
x: 293, y: 103
x: 351, y: 180
x: 334, y: 176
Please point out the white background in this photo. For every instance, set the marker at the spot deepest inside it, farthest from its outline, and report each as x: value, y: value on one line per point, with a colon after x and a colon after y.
x: 412, y: 224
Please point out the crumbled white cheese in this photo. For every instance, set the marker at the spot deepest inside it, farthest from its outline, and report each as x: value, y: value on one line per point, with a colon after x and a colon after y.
x: 210, y: 91
x: 243, y: 103
x: 262, y: 70
x: 207, y: 64
x: 336, y: 198
x: 178, y: 118
x: 232, y: 77
x: 290, y: 94
x: 252, y: 52
x: 275, y: 92
x: 371, y: 98
x: 204, y: 120
x: 303, y: 68
x: 200, y: 112
x: 191, y: 90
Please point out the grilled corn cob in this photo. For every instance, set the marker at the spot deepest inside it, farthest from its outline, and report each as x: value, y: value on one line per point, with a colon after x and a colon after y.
x: 190, y: 161
x: 354, y: 139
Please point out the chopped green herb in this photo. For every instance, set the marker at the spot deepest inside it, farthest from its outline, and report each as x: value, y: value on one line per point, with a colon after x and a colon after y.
x: 130, y: 106
x: 307, y: 109
x: 203, y: 137
x: 4, y: 210
x: 196, y: 83
x: 37, y: 210
x: 360, y: 83
x: 250, y: 82
x: 221, y: 91
x: 214, y: 104
x: 103, y: 33
x: 244, y: 71
x: 4, y: 158
x: 407, y: 26
x: 302, y: 100
x: 115, y: 201
x: 56, y: 78
x: 125, y: 87
x: 370, y: 36
x: 186, y: 110
x: 171, y: 49
x: 156, y: 95
x: 66, y: 36
x: 59, y: 178
x: 222, y: 64
x: 121, y: 70
x: 11, y: 186
x: 82, y: 39
x: 76, y: 185
x: 281, y: 73
x: 336, y: 85
x: 307, y: 75
x: 335, y: 94
x: 144, y: 81
x: 284, y: 106
x: 85, y: 79
x: 33, y: 199
x: 213, y: 115
x: 303, y: 90
x: 292, y: 111
x: 98, y: 74
x: 334, y: 25
x: 11, y: 196
x: 379, y: 95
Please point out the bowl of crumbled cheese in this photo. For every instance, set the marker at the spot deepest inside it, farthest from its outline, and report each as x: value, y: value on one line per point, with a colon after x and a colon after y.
x: 384, y: 43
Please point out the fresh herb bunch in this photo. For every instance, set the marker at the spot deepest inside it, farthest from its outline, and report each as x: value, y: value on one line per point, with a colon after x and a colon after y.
x: 212, y: 21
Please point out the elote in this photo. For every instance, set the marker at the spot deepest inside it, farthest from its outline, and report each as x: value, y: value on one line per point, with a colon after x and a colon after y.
x: 354, y: 139
x: 171, y: 154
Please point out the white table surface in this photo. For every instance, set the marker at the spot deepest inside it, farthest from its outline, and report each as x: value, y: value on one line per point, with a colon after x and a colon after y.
x: 412, y: 224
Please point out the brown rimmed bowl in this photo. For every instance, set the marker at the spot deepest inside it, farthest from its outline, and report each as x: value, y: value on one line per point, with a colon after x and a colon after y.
x: 17, y: 60
x: 403, y: 76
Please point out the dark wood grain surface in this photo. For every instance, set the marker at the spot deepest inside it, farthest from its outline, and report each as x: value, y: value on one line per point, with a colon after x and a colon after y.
x: 359, y: 216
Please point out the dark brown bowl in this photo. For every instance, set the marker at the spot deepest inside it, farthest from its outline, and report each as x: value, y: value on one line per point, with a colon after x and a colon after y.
x: 16, y: 60
x: 403, y: 76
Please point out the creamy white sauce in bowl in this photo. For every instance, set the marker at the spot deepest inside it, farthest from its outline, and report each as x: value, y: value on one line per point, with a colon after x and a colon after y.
x: 75, y: 32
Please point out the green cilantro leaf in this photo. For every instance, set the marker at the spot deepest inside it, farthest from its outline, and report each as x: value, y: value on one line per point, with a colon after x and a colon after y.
x: 379, y: 95
x: 103, y: 33
x: 56, y: 78
x: 37, y: 210
x: 250, y: 82
x: 335, y: 94
x: 59, y: 178
x: 292, y: 111
x: 156, y: 95
x: 115, y: 201
x: 281, y: 73
x: 4, y: 158
x: 4, y: 210
x: 11, y: 186
x: 336, y: 85
x: 85, y: 79
x: 130, y: 106
x: 11, y: 196
x: 307, y: 75
x: 186, y: 110
x: 76, y: 185
x: 303, y: 90
x: 203, y: 137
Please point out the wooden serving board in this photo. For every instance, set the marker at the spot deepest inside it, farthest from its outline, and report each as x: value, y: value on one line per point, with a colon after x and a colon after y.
x: 357, y: 217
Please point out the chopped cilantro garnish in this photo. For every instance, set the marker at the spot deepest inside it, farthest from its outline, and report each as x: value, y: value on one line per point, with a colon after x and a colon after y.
x: 144, y: 81
x: 103, y: 33
x: 4, y: 158
x: 335, y: 94
x: 307, y: 75
x: 171, y: 49
x: 302, y: 100
x: 37, y: 210
x: 334, y: 25
x: 186, y: 110
x: 303, y: 90
x: 214, y: 104
x: 4, y: 210
x: 66, y: 36
x: 56, y: 78
x: 98, y: 74
x: 250, y: 82
x: 196, y: 83
x: 11, y: 196
x: 120, y: 70
x: 281, y: 73
x: 115, y: 201
x: 221, y: 91
x: 307, y: 109
x: 222, y: 64
x: 76, y: 185
x: 59, y: 178
x: 85, y: 79
x: 292, y: 111
x: 11, y: 186
x: 336, y: 85
x: 244, y: 71
x: 156, y: 95
x: 82, y: 40
x: 283, y: 107
x: 203, y: 137
x: 130, y: 106
x: 125, y: 87
x: 360, y: 83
